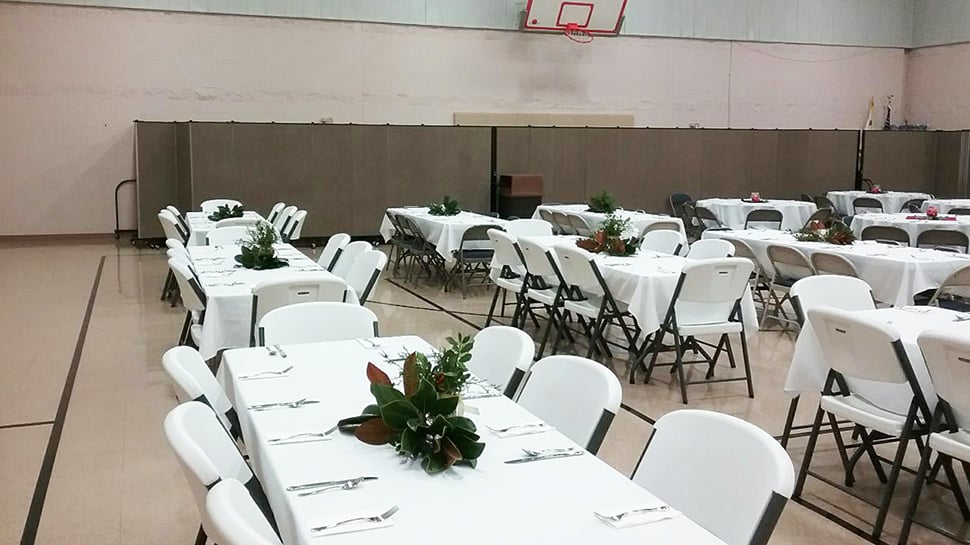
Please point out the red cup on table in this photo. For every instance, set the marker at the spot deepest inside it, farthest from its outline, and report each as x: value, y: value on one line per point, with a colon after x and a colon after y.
x: 932, y: 212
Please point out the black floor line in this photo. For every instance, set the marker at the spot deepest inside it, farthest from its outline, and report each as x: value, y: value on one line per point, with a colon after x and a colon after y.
x: 400, y: 305
x: 32, y: 524
x: 435, y: 305
x: 26, y: 424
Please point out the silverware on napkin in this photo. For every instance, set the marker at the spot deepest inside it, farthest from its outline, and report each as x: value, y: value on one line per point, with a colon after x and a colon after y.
x: 337, y: 482
x: 283, y: 405
x: 349, y: 485
x: 267, y: 374
x: 620, y: 516
x: 518, y: 427
x: 300, y: 437
x: 550, y: 456
x: 374, y: 518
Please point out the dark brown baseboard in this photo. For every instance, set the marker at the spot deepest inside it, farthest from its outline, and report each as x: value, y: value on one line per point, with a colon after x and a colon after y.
x: 19, y: 241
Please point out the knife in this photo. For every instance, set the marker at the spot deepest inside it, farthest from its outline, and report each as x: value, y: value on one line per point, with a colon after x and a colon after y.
x: 307, y: 486
x: 545, y: 457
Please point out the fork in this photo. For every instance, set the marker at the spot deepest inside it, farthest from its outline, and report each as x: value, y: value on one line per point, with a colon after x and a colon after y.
x: 530, y: 452
x: 349, y: 485
x: 374, y: 518
x: 266, y: 374
x: 517, y: 426
x: 620, y: 516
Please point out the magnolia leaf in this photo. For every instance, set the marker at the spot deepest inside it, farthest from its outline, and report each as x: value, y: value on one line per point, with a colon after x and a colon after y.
x: 410, y: 442
x: 412, y: 378
x: 350, y: 424
x: 451, y: 452
x: 434, y: 463
x: 375, y: 432
x: 376, y: 376
x: 372, y: 410
x: 470, y: 450
x: 445, y: 405
x: 397, y: 413
x: 462, y: 423
x: 425, y: 396
x: 385, y: 394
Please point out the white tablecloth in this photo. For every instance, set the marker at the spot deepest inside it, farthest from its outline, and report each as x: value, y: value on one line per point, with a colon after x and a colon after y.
x: 229, y: 290
x: 543, y: 503
x: 733, y: 212
x: 200, y: 225
x: 912, y: 227
x: 646, y: 282
x: 809, y: 368
x: 444, y: 232
x: 639, y: 220
x: 895, y: 274
x: 944, y: 205
x: 892, y: 201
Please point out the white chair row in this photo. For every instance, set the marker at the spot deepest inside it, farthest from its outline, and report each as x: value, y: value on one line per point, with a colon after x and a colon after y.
x: 861, y: 351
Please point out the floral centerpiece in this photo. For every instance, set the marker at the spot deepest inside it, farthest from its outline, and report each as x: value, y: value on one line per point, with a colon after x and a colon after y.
x: 603, y: 203
x: 932, y: 213
x: 447, y: 207
x: 422, y: 421
x: 225, y: 212
x: 609, y: 239
x: 258, y: 252
x: 830, y: 230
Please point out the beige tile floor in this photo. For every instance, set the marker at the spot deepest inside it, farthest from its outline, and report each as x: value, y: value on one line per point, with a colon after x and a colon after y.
x: 114, y: 480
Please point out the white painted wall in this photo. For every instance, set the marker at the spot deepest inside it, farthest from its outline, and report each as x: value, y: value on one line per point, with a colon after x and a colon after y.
x: 886, y: 23
x: 938, y: 86
x: 73, y: 79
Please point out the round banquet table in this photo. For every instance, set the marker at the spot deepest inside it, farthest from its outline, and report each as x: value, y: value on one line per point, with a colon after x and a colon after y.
x: 945, y: 205
x: 913, y: 227
x: 892, y: 201
x: 732, y: 212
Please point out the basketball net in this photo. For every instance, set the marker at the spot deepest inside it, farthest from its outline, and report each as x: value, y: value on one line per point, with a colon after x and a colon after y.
x: 576, y: 34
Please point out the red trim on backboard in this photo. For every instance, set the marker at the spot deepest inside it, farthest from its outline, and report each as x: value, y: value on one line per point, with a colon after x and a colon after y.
x: 589, y: 14
x: 615, y: 30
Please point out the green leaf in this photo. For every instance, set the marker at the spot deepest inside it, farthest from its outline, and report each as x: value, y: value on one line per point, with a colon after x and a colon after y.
x: 375, y: 432
x: 385, y: 394
x: 445, y: 405
x: 410, y: 442
x: 462, y: 423
x: 350, y: 424
x: 397, y: 413
x: 470, y: 450
x: 425, y: 397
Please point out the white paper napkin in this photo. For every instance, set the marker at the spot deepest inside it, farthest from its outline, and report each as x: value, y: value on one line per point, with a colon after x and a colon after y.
x: 358, y: 526
x: 635, y: 519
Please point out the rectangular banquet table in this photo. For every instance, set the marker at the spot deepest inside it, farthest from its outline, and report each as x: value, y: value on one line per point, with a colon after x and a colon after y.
x: 733, y: 212
x: 548, y: 502
x: 892, y: 201
x: 913, y: 227
x: 809, y: 368
x: 200, y: 225
x: 639, y: 220
x: 444, y: 232
x: 894, y: 273
x: 646, y: 282
x: 229, y: 292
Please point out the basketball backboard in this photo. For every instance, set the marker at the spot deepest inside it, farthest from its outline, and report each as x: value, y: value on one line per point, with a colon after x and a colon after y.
x: 597, y: 17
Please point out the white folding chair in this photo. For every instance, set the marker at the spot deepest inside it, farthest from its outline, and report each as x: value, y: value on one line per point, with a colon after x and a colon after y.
x: 663, y: 241
x: 365, y: 273
x: 502, y: 355
x: 193, y: 299
x: 316, y: 322
x: 235, y: 519
x: 737, y: 495
x: 183, y: 223
x: 587, y: 295
x: 212, y: 205
x: 171, y: 226
x: 335, y: 245
x: 865, y: 353
x: 207, y: 456
x: 508, y: 273
x: 170, y: 288
x: 550, y: 393
x: 542, y: 286
x: 579, y: 225
x: 193, y: 381
x: 947, y: 356
x: 227, y: 236
x: 238, y: 222
x: 790, y: 265
x: 275, y: 211
x: 347, y: 257
x: 706, y: 302
x: 528, y: 228
x: 293, y: 289
x: 710, y: 248
x: 842, y: 292
x: 295, y: 227
x: 283, y: 220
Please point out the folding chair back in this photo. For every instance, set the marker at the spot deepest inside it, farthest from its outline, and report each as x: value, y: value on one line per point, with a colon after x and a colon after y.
x: 858, y: 347
x: 943, y: 239
x: 546, y: 216
x: 862, y: 205
x: 529, y: 228
x: 789, y: 263
x: 661, y: 226
x: 764, y: 218
x: 212, y: 205
x: 330, y: 253
x: 579, y: 225
x: 667, y: 242
x: 886, y: 234
x: 226, y: 236
x: 709, y: 290
x: 842, y: 292
x: 298, y: 288
x: 828, y: 263
x: 565, y: 227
